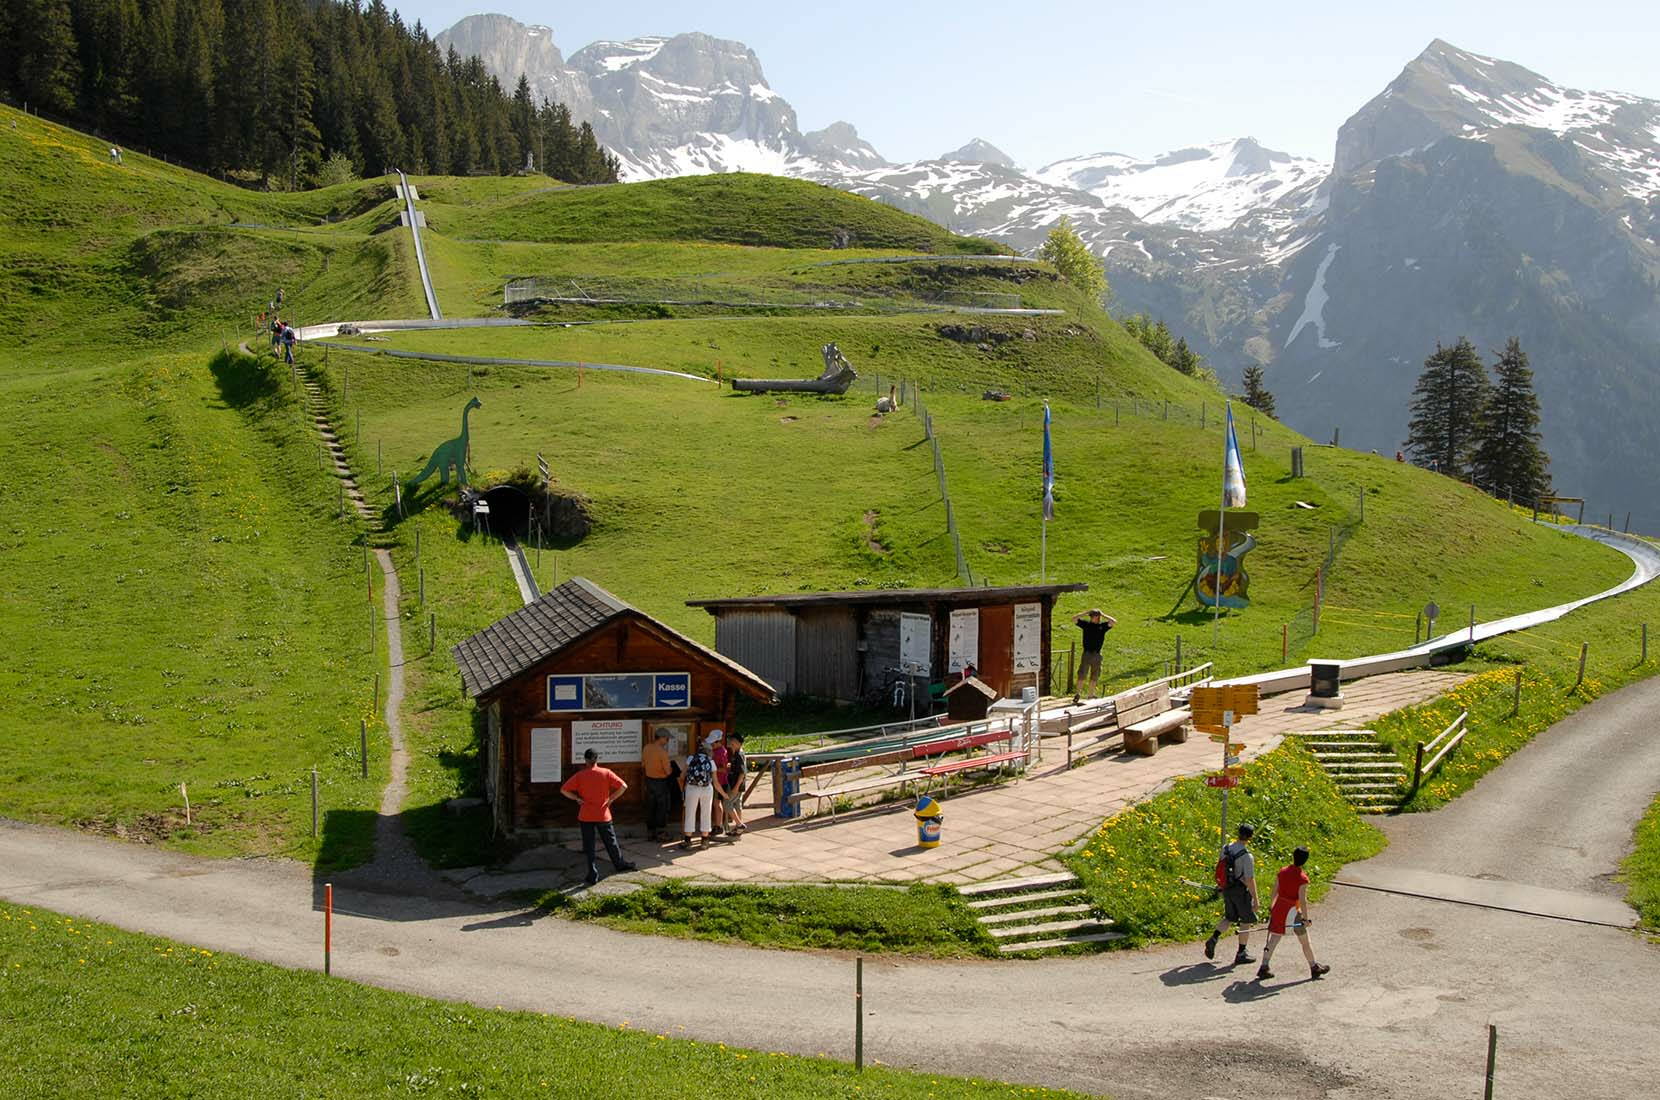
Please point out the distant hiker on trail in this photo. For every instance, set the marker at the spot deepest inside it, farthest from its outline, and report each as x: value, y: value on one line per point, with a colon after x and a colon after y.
x: 593, y: 789
x: 697, y: 786
x: 734, y: 800
x: 659, y: 769
x: 1236, y: 874
x: 1290, y: 895
x: 276, y: 331
x: 1094, y: 626
x: 279, y: 297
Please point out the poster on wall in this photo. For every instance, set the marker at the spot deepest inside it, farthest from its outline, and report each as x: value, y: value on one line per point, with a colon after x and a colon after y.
x: 617, y: 740
x: 1028, y: 638
x: 964, y: 647
x: 544, y: 755
x: 621, y: 691
x: 914, y: 656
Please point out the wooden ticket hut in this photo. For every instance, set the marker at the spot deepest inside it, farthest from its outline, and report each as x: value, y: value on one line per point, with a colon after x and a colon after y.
x: 848, y: 646
x: 580, y: 669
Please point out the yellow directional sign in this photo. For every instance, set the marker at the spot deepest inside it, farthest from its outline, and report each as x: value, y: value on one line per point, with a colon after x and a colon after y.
x: 1234, y: 769
x: 1235, y: 748
x: 1219, y: 737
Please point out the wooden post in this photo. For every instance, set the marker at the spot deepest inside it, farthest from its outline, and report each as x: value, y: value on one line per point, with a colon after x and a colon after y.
x: 1115, y: 414
x: 371, y: 628
x: 417, y: 547
x: 859, y: 1013
x: 1167, y: 408
x: 1253, y: 432
x: 1178, y: 654
x: 1584, y: 648
x: 1319, y: 595
x: 1285, y: 641
x: 328, y: 927
x: 1643, y: 656
x: 1362, y: 495
x: 1418, y: 767
x: 1610, y: 521
x: 1628, y: 523
x: 377, y: 693
x: 1418, y: 628
x: 421, y: 587
x: 1516, y: 696
x: 377, y: 458
x: 1472, y: 624
x: 363, y: 744
x: 185, y: 794
x: 314, y: 800
x: 1492, y: 1058
x: 432, y: 632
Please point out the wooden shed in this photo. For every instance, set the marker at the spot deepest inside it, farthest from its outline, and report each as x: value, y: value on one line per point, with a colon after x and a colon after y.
x: 581, y: 669
x: 847, y: 646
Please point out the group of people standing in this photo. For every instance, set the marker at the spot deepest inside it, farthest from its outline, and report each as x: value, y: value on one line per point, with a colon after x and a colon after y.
x: 708, y: 787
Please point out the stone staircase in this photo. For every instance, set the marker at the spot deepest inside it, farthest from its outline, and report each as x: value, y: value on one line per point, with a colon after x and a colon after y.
x: 1369, y: 775
x: 1037, y: 913
x: 317, y: 412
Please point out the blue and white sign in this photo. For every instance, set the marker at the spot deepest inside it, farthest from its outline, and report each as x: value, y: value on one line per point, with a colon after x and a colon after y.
x: 672, y: 690
x: 621, y: 691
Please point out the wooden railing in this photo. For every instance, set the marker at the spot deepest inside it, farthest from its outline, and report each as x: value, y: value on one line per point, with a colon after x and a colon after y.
x: 1447, y: 740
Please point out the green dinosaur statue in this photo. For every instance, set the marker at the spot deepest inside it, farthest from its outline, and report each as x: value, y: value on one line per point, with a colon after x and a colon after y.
x: 450, y: 453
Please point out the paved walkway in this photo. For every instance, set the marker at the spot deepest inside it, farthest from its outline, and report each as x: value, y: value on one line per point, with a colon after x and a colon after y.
x: 992, y: 832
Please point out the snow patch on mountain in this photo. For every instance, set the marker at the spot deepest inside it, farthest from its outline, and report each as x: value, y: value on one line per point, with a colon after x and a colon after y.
x: 1314, y: 303
x: 1209, y: 188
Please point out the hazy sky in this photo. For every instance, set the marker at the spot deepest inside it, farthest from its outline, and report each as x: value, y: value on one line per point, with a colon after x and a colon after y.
x: 1048, y: 79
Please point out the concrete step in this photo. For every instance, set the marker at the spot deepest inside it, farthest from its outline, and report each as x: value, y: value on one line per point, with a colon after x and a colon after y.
x: 1368, y: 761
x: 1356, y: 743
x: 1373, y: 777
x: 1022, y: 899
x: 1023, y: 931
x: 1033, y: 914
x: 1011, y: 885
x: 1065, y: 941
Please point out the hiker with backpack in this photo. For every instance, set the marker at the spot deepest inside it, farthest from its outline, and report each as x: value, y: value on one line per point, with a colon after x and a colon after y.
x: 698, y: 783
x: 1236, y: 878
x: 1290, y: 895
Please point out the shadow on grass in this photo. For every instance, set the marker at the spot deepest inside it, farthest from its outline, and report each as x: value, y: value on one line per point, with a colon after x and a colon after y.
x: 245, y: 383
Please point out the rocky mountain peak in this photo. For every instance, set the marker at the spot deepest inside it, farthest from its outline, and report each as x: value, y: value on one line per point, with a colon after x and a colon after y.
x: 504, y: 45
x: 839, y: 143
x: 980, y: 151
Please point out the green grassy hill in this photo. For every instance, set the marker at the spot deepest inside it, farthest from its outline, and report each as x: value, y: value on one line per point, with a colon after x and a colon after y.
x: 191, y: 609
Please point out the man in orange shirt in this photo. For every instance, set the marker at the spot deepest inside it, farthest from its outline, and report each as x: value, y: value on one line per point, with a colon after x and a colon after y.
x: 659, y: 770
x: 593, y: 789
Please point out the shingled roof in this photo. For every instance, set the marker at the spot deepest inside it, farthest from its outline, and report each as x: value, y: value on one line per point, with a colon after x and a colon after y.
x: 520, y: 641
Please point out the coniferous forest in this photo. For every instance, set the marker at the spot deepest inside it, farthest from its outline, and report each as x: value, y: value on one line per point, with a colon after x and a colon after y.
x: 272, y: 91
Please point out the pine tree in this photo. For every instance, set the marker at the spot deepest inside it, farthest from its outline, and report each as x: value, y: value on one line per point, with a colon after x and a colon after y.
x: 1509, y: 460
x: 1447, y: 406
x: 1256, y: 391
x: 1073, y: 259
x: 48, y: 68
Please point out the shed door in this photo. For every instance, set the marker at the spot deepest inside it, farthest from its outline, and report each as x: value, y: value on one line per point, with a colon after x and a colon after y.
x: 827, y: 654
x: 997, y: 647
x: 763, y: 641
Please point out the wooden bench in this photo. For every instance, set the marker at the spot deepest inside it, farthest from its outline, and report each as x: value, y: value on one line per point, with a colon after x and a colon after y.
x: 965, y: 742
x: 945, y: 771
x: 1146, y: 718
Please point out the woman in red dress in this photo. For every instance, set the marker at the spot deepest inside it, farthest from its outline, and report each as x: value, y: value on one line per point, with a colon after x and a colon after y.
x: 1290, y: 895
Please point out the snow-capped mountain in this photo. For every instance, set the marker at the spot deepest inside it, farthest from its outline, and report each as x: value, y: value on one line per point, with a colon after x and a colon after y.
x: 1208, y: 188
x: 666, y: 106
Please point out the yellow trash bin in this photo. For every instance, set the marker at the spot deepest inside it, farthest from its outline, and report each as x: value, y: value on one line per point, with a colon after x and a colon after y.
x: 928, y: 818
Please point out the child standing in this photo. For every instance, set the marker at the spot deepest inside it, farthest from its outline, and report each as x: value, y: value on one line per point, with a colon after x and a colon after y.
x: 1291, y: 894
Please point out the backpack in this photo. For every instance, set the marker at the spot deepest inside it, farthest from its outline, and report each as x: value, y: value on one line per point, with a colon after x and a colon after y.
x: 1226, y: 874
x: 700, y: 770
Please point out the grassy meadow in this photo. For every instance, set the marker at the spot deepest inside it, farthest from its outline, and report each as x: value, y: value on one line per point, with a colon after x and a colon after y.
x: 91, y: 1010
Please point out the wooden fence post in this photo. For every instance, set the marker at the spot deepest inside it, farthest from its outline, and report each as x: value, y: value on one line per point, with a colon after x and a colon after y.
x: 1584, y: 648
x: 1472, y: 624
x: 1418, y: 767
x: 1178, y: 653
x: 1516, y: 699
x: 1418, y: 628
x: 1285, y: 641
x: 1643, y: 658
x: 432, y: 632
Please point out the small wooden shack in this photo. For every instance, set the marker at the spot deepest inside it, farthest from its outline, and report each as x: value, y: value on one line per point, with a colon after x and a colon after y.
x: 848, y: 646
x: 580, y: 669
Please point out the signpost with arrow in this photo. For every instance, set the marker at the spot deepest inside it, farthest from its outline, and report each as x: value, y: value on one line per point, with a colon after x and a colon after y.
x: 1214, y: 710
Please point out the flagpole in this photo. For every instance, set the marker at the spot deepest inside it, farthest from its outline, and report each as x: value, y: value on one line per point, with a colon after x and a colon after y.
x: 1221, y: 527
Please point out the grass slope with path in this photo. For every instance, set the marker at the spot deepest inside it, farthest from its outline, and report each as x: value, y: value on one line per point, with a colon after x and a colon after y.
x: 92, y: 1010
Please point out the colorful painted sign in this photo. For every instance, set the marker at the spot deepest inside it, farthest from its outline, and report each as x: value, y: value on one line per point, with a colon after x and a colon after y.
x: 1221, y: 579
x: 1222, y: 781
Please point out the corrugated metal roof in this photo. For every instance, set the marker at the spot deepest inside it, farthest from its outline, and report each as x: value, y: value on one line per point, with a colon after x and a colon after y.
x: 537, y: 631
x: 891, y: 596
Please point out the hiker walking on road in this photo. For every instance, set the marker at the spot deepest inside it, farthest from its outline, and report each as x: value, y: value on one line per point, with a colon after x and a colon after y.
x: 593, y: 789
x: 1236, y: 874
x: 1290, y: 895
x: 1094, y: 626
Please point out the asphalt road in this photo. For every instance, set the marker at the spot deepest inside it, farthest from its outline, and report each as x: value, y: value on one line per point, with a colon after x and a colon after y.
x: 1403, y: 1014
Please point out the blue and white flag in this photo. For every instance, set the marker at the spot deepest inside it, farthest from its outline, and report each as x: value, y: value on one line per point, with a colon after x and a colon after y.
x: 1048, y: 469
x: 1233, y: 470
